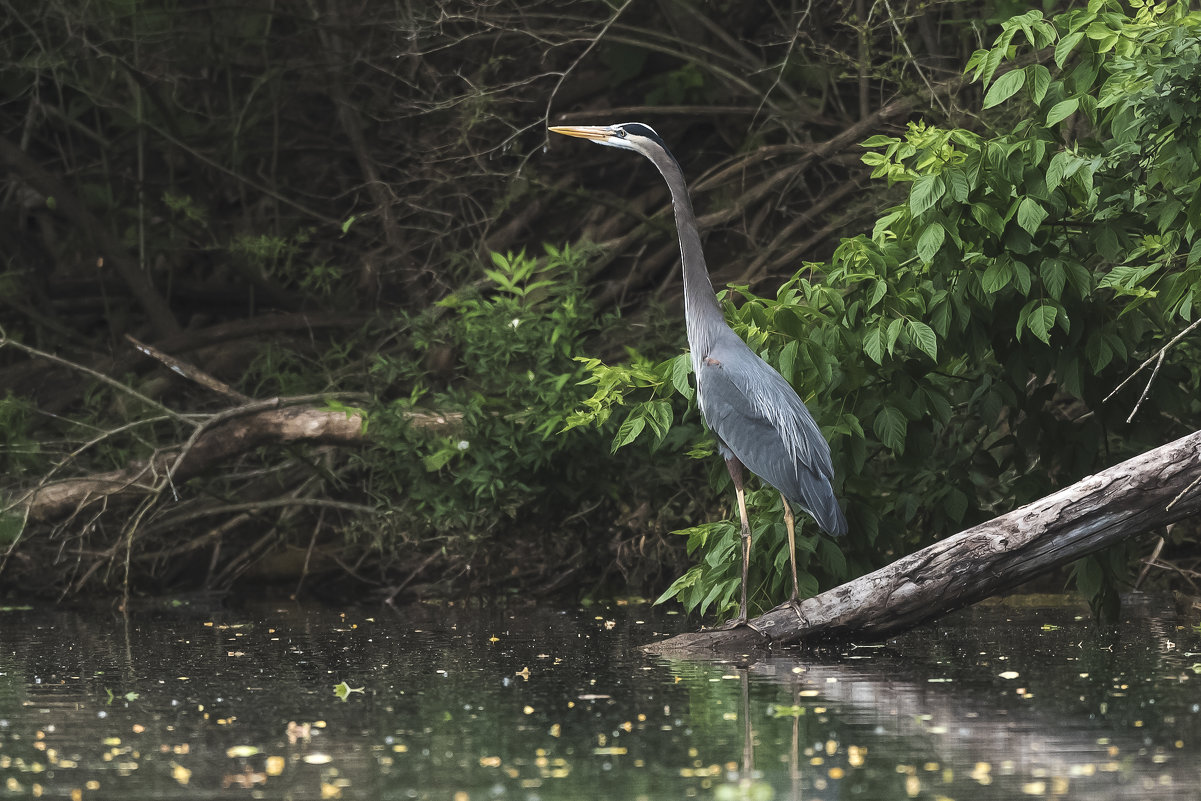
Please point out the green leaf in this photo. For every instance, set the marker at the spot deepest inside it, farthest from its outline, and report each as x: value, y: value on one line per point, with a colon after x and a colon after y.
x: 1030, y: 215
x: 940, y: 318
x: 343, y: 691
x: 1062, y: 110
x: 878, y: 292
x: 1057, y: 169
x: 1040, y: 321
x: 1064, y: 47
x: 957, y: 185
x: 997, y: 276
x: 924, y: 337
x: 988, y: 217
x: 438, y: 459
x: 1054, y: 277
x: 1089, y: 576
x: 630, y: 428
x: 873, y: 345
x: 1039, y: 80
x: 879, y: 140
x: 890, y: 426
x: 1194, y: 253
x: 991, y: 62
x: 925, y: 193
x: 682, y: 583
x: 658, y: 414
x: 930, y: 241
x: 1097, y: 351
x: 1004, y: 88
x: 1080, y: 278
x: 955, y: 504
x: 681, y: 368
x: 787, y: 361
x: 894, y: 331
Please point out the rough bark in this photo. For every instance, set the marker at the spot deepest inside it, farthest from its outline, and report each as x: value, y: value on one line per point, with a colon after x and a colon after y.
x: 1158, y: 487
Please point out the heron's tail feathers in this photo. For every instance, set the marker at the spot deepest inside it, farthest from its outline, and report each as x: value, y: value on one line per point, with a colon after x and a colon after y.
x: 829, y: 515
x: 813, y: 493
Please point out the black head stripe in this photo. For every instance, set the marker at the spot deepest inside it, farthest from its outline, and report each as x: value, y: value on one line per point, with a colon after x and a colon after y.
x: 638, y: 129
x: 643, y: 130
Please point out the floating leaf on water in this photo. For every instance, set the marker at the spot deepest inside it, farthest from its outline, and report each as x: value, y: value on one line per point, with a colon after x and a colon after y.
x: 241, y: 751
x: 180, y: 773
x: 343, y: 690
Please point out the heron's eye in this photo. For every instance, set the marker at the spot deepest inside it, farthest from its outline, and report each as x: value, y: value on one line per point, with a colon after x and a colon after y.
x: 621, y: 132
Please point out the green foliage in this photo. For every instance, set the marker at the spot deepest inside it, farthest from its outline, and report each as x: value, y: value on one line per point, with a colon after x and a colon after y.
x: 19, y: 451
x: 951, y: 354
x: 683, y: 85
x: 491, y: 440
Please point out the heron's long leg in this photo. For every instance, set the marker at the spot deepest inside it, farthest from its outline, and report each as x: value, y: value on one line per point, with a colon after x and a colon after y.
x: 735, y: 468
x: 790, y: 524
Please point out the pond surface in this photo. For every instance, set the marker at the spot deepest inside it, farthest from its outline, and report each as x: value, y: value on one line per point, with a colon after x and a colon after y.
x: 1019, y: 700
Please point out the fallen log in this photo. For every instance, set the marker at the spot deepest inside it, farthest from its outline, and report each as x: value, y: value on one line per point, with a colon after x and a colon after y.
x: 1151, y: 490
x: 53, y: 500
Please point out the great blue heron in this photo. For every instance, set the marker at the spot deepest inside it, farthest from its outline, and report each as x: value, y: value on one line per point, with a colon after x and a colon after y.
x: 759, y: 420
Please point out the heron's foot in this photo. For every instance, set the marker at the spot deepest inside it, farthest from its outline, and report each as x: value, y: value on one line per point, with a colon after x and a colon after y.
x: 794, y: 603
x: 741, y: 620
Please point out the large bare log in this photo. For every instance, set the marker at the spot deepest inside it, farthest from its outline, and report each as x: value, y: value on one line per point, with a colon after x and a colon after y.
x: 1154, y: 489
x: 229, y: 434
x: 57, y: 499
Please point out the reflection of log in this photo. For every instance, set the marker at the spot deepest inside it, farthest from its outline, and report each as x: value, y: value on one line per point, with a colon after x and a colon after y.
x: 921, y: 707
x: 1154, y: 489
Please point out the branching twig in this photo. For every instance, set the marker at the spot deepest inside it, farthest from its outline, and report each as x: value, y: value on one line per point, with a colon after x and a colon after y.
x: 1183, y: 493
x: 1158, y: 359
x: 550, y: 101
x: 913, y: 60
x: 101, y: 377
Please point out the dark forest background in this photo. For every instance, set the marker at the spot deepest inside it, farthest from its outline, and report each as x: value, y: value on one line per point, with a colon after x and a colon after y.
x: 302, y: 294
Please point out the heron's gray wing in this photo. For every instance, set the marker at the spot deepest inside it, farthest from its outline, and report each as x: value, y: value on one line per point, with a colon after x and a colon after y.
x: 759, y: 418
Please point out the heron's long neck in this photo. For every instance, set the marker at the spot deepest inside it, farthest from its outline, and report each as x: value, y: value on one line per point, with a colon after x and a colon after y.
x: 702, y: 314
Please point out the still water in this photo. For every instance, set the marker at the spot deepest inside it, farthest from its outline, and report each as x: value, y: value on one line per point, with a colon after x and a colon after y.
x: 1024, y: 699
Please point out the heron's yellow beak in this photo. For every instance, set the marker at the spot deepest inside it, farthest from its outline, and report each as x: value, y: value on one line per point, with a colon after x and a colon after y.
x: 582, y: 131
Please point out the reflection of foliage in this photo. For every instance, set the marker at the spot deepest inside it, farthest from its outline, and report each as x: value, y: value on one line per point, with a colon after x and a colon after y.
x: 491, y: 702
x: 952, y: 354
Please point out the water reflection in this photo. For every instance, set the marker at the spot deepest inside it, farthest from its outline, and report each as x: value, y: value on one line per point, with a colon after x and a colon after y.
x: 477, y: 703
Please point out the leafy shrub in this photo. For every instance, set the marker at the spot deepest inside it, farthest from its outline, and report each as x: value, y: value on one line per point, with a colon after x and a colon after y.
x: 959, y: 356
x: 476, y: 442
